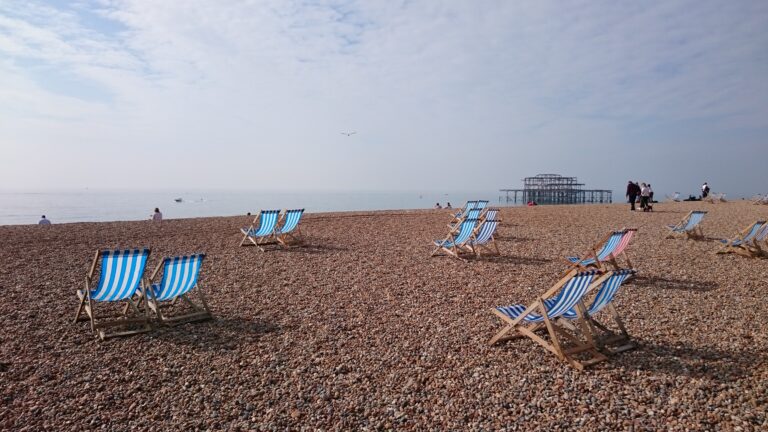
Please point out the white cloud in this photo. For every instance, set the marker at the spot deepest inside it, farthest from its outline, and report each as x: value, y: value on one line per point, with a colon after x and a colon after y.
x: 234, y: 89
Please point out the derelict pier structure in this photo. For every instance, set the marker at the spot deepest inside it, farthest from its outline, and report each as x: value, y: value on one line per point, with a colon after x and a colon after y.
x: 555, y: 189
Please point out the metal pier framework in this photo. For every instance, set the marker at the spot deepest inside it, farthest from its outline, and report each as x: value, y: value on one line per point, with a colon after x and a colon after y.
x: 555, y: 189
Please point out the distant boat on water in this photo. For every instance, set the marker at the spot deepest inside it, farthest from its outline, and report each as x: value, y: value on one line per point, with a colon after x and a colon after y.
x: 177, y: 199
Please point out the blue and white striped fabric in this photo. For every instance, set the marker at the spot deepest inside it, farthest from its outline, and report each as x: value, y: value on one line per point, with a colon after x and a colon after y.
x: 491, y: 213
x: 755, y: 228
x: 694, y: 219
x: 179, y: 276
x: 604, y: 253
x: 605, y: 294
x: 485, y: 233
x: 481, y: 204
x: 567, y: 298
x: 465, y: 231
x: 291, y: 221
x: 267, y: 223
x: 762, y: 235
x: 473, y: 214
x: 467, y: 207
x: 121, y: 272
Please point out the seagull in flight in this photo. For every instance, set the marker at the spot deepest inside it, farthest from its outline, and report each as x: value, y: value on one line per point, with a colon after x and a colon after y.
x: 349, y: 133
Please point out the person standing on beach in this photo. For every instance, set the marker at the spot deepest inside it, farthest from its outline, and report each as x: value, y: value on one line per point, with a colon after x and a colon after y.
x: 704, y: 190
x: 645, y: 194
x: 44, y: 221
x: 157, y: 216
x: 633, y: 190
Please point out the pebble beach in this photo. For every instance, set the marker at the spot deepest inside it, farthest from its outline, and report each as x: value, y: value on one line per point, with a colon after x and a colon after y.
x: 360, y: 329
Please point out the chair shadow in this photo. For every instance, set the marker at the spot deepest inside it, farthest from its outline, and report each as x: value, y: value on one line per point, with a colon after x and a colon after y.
x: 698, y: 362
x: 307, y: 248
x: 508, y: 259
x: 664, y: 211
x: 674, y: 284
x: 715, y: 239
x: 511, y: 239
x: 217, y: 334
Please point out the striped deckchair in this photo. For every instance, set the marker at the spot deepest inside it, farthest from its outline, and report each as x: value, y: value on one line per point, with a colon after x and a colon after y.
x: 601, y: 334
x: 290, y: 233
x: 565, y: 295
x: 610, y: 247
x: 180, y: 275
x: 760, y: 199
x: 481, y: 205
x: 264, y: 234
x: 483, y: 238
x: 471, y: 214
x: 469, y: 205
x: 490, y: 214
x: 755, y: 245
x: 759, y: 244
x: 454, y: 243
x: 738, y: 243
x: 716, y: 198
x: 119, y: 279
x: 689, y: 226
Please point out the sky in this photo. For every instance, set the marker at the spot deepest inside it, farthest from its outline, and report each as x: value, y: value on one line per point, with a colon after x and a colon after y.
x: 443, y: 95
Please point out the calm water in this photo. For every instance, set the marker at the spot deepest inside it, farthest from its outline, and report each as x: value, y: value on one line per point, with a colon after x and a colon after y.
x: 96, y: 206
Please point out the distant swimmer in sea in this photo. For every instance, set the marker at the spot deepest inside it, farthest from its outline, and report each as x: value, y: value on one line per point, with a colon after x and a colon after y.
x: 44, y: 221
x: 157, y: 216
x: 437, y: 206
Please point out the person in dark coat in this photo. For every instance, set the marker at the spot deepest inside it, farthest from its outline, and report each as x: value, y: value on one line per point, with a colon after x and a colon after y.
x: 633, y: 190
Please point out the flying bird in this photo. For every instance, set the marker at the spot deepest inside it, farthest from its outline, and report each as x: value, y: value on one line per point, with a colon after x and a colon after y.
x: 349, y: 133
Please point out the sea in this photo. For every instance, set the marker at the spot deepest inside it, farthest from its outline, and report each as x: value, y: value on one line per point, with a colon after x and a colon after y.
x: 17, y: 208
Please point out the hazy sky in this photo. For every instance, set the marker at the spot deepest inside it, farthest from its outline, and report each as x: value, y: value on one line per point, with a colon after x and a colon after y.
x: 444, y: 95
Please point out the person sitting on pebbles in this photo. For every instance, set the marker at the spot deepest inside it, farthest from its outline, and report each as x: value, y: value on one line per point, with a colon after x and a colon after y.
x: 157, y: 216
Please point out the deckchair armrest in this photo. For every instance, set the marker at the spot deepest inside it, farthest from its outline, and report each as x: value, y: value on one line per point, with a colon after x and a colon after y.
x: 157, y: 269
x: 93, y: 266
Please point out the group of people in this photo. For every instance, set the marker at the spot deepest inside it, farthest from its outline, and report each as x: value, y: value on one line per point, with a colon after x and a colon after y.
x: 704, y: 190
x: 447, y: 205
x: 642, y: 190
x: 157, y: 216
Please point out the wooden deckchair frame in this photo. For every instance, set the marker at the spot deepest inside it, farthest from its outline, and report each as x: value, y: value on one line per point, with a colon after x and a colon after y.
x: 199, y: 312
x: 122, y: 320
x: 754, y: 247
x: 696, y: 233
x: 715, y: 198
x: 593, y: 253
x: 455, y: 250
x: 741, y: 247
x: 760, y: 199
x: 460, y: 216
x: 295, y: 237
x: 261, y: 241
x: 456, y: 224
x: 607, y: 340
x: 759, y: 248
x: 484, y: 215
x: 476, y: 248
x: 555, y: 331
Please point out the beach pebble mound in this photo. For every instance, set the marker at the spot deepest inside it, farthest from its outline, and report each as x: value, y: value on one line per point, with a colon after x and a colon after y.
x: 360, y: 329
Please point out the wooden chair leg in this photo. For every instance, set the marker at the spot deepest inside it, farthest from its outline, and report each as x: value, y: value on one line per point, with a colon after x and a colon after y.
x: 82, y: 302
